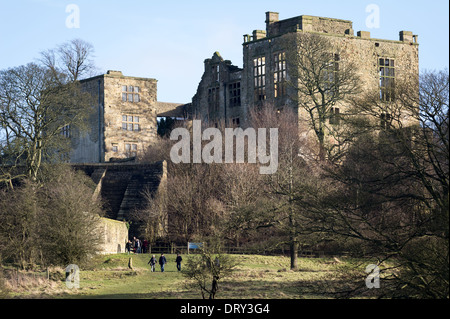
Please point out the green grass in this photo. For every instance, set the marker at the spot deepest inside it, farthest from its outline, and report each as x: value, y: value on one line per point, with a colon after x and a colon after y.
x: 256, y: 277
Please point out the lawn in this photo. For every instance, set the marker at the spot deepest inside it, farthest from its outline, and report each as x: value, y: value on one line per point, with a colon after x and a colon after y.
x: 256, y: 277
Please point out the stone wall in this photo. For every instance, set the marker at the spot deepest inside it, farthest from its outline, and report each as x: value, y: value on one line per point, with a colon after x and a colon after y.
x: 275, y: 27
x: 360, y: 50
x: 106, y: 138
x: 116, y: 138
x: 114, y: 236
x: 123, y: 188
x: 217, y: 106
x: 87, y: 145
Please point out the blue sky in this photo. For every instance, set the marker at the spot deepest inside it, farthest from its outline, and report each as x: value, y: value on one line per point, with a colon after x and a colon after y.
x: 169, y: 40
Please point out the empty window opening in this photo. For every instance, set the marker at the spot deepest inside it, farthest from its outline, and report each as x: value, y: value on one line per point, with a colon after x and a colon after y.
x: 335, y: 116
x: 131, y: 149
x: 387, y: 79
x: 259, y: 75
x: 279, y: 74
x: 213, y: 102
x: 386, y: 120
x: 331, y: 75
x: 65, y: 131
x: 234, y: 90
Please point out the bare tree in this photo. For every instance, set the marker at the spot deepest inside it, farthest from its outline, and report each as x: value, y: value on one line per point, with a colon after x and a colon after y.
x: 322, y: 79
x: 69, y: 221
x: 18, y: 224
x: 207, y: 269
x: 72, y: 58
x: 53, y: 222
x: 291, y: 190
x: 36, y: 104
x: 241, y: 196
x: 391, y: 192
x: 153, y: 217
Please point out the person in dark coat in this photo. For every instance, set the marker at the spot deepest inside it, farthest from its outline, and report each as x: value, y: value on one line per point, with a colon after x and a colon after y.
x: 178, y: 261
x: 162, y: 262
x: 128, y: 247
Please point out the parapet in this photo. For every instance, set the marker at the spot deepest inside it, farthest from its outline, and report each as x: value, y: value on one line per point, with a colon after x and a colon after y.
x: 114, y: 73
x: 363, y: 34
x: 276, y: 27
x: 408, y: 36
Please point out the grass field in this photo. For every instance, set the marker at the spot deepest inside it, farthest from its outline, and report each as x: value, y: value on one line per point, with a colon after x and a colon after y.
x: 256, y: 277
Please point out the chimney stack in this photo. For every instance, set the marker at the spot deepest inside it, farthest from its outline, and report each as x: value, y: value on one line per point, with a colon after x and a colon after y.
x: 271, y: 18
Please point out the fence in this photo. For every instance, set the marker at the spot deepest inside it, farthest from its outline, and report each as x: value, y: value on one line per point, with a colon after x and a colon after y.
x: 174, y: 249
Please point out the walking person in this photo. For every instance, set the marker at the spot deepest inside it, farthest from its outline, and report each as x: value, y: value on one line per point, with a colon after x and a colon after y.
x: 178, y: 261
x: 133, y: 245
x: 137, y: 246
x: 162, y: 262
x: 152, y: 263
x: 128, y: 247
x: 145, y: 246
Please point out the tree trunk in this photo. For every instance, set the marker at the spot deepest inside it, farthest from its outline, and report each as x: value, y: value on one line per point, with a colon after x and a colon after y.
x: 294, y: 253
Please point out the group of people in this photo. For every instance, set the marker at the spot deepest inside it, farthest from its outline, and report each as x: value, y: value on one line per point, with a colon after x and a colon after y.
x: 163, y: 261
x: 137, y: 246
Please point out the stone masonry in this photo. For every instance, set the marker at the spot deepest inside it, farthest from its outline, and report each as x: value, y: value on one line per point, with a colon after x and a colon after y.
x: 122, y: 187
x: 124, y: 121
x: 264, y: 51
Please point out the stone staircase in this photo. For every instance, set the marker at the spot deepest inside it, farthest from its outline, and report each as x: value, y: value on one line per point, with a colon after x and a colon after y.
x: 147, y: 181
x: 122, y: 185
x: 112, y: 192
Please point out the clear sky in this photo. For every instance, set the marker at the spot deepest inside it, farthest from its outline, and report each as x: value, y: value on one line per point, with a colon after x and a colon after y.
x: 169, y: 40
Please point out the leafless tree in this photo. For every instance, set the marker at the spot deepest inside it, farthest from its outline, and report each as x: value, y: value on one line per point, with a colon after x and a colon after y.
x: 322, y: 78
x: 36, y: 103
x: 53, y: 222
x: 291, y: 190
x: 72, y: 58
x: 391, y: 191
x: 207, y: 269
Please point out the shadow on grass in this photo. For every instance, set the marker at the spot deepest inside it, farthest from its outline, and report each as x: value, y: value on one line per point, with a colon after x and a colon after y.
x: 253, y: 289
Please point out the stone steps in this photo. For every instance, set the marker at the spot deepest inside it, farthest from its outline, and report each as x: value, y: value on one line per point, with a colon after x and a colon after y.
x: 134, y: 196
x: 122, y: 185
x: 112, y: 193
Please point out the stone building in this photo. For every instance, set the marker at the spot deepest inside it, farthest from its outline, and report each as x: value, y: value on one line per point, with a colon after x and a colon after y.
x: 124, y: 121
x: 227, y: 92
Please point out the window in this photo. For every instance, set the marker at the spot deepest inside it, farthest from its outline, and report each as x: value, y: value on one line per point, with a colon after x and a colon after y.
x: 65, y: 131
x: 331, y: 70
x: 216, y: 73
x: 131, y: 149
x: 130, y: 94
x: 131, y: 123
x: 335, y: 116
x: 387, y: 79
x: 213, y: 102
x: 385, y: 120
x: 259, y: 75
x: 279, y: 74
x: 115, y: 148
x: 235, y: 94
x: 236, y: 122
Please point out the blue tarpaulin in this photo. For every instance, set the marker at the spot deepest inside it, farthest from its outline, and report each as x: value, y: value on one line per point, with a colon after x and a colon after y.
x: 195, y: 245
